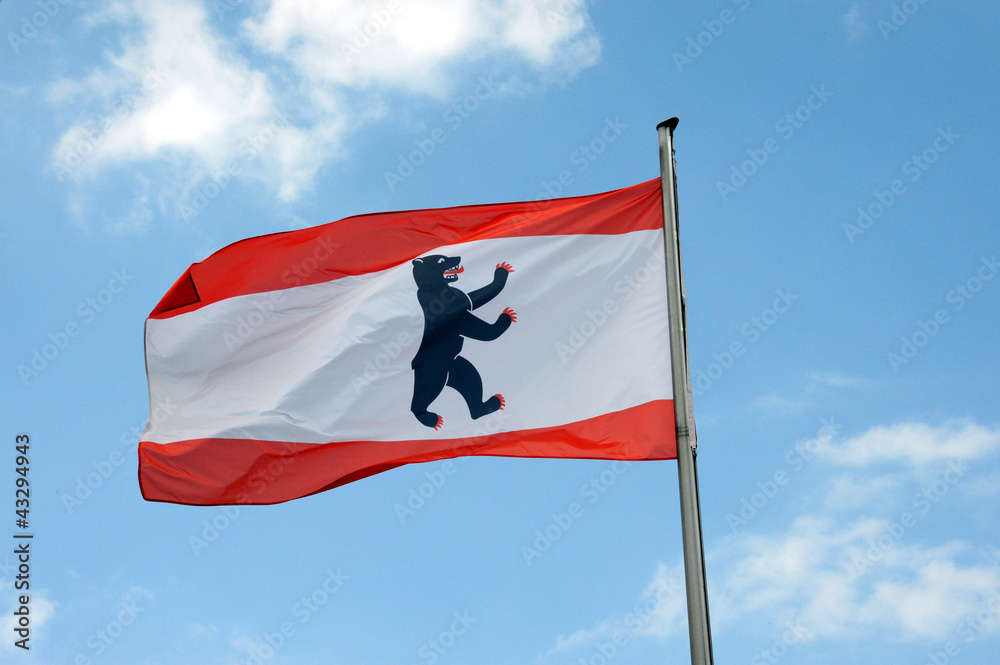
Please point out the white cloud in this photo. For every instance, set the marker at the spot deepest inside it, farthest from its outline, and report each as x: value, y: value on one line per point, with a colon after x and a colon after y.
x: 835, y: 380
x: 853, y: 580
x: 855, y: 24
x: 551, y: 33
x: 817, y: 389
x: 202, y: 628
x: 775, y: 405
x: 178, y: 93
x: 275, y: 102
x: 664, y: 603
x: 855, y: 563
x: 825, y: 580
x: 915, y: 443
x: 582, y: 639
x: 659, y: 611
x: 939, y: 595
x: 851, y: 492
x: 41, y: 612
x: 362, y: 43
x: 984, y: 487
x: 416, y: 44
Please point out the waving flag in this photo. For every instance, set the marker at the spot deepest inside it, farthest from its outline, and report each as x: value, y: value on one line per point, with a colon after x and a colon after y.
x: 289, y: 364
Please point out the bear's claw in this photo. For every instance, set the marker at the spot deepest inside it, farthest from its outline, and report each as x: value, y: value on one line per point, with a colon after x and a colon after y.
x: 429, y: 419
x: 511, y: 313
x: 506, y: 266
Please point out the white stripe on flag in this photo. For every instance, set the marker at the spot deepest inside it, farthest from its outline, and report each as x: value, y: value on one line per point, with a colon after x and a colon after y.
x: 331, y: 361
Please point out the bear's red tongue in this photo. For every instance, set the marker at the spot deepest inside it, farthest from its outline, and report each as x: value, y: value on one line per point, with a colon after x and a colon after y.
x: 456, y: 271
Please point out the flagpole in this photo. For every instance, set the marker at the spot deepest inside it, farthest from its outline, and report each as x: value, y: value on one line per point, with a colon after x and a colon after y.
x: 699, y: 626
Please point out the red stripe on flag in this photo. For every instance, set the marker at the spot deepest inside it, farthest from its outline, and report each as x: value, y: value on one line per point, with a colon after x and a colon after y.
x: 369, y: 243
x: 206, y: 472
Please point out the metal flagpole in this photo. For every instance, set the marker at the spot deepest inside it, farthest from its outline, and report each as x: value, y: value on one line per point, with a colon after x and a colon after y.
x: 699, y: 627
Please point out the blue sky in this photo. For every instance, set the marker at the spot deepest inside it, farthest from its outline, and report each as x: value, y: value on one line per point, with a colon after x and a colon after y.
x: 836, y: 165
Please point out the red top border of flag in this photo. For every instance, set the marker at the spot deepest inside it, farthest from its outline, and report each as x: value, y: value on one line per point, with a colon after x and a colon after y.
x: 347, y: 247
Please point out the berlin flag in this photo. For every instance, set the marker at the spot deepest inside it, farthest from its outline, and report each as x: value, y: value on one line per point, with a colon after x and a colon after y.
x: 289, y: 364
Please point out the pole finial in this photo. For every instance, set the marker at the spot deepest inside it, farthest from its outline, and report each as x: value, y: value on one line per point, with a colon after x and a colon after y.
x: 670, y: 124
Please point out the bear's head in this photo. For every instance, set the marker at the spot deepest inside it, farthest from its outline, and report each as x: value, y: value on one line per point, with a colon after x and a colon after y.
x: 436, y: 270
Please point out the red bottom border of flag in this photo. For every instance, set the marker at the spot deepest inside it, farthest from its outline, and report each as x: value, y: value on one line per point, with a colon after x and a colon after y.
x: 208, y: 472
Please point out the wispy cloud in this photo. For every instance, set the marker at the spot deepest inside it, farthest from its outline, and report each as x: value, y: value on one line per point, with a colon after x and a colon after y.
x: 773, y: 404
x: 835, y: 380
x: 414, y: 44
x: 178, y: 93
x: 915, y: 443
x: 852, y: 492
x: 849, y: 565
x: 41, y: 609
x: 837, y: 581
x: 985, y: 487
x: 659, y: 611
x: 275, y: 98
x: 817, y: 388
x: 855, y: 23
x: 202, y: 629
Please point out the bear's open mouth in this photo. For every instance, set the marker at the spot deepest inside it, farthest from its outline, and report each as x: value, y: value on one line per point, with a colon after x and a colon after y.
x: 453, y: 273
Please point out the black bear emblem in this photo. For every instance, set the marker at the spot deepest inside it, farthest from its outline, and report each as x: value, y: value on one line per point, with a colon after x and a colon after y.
x: 448, y: 319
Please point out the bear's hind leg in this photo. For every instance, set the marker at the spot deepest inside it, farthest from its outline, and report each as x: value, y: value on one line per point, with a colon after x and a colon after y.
x: 463, y: 377
x: 428, y: 382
